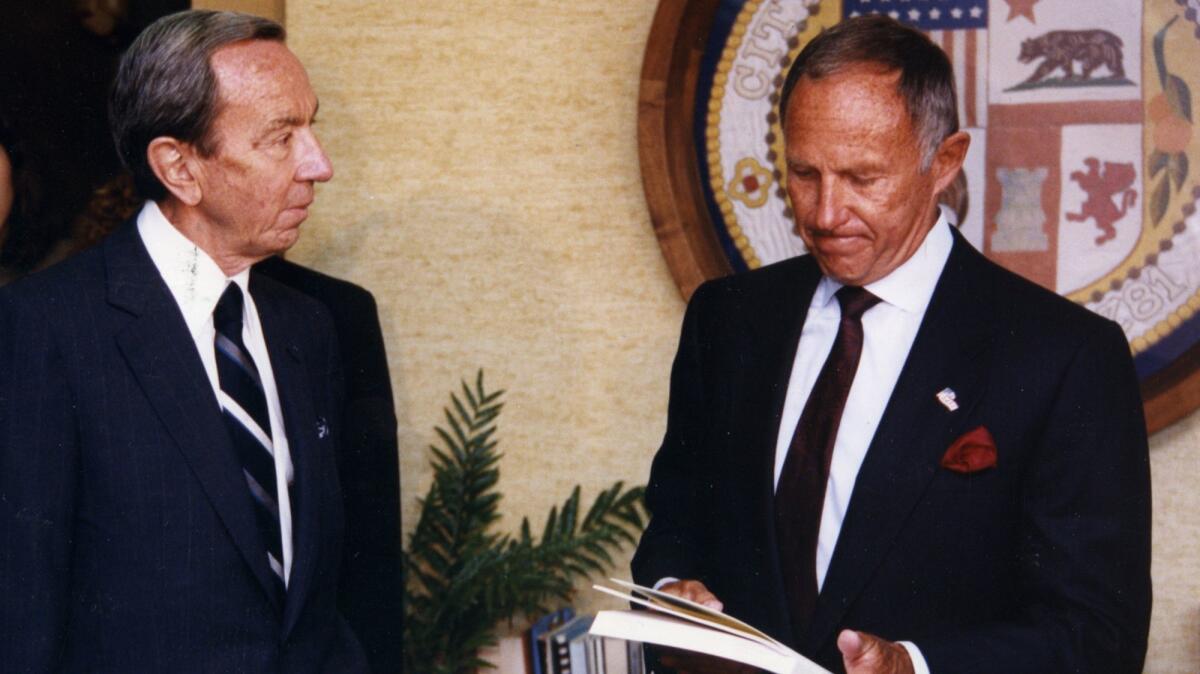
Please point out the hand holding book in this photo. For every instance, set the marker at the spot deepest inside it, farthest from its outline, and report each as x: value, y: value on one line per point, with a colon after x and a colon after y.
x: 686, y: 618
x: 862, y: 653
x: 680, y: 623
x: 689, y: 662
x: 694, y: 591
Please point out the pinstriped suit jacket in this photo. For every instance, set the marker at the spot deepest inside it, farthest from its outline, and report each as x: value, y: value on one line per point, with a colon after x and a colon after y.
x: 128, y: 541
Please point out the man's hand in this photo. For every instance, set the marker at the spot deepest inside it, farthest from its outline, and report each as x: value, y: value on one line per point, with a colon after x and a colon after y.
x: 864, y: 653
x: 688, y: 662
x: 693, y: 590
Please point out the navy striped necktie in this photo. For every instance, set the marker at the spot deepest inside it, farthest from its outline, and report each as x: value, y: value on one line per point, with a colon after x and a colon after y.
x: 244, y: 408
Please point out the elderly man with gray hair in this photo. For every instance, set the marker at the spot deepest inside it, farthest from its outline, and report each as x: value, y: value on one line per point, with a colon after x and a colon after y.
x: 891, y: 453
x: 169, y: 420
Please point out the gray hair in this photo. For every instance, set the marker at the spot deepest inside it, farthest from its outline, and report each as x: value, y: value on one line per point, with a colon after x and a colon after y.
x: 926, y: 76
x: 165, y: 85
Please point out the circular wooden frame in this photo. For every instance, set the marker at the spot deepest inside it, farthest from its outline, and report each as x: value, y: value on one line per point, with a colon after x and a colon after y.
x: 670, y: 175
x: 680, y: 216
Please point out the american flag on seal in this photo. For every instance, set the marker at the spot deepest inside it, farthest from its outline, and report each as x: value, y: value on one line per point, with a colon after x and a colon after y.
x: 960, y: 27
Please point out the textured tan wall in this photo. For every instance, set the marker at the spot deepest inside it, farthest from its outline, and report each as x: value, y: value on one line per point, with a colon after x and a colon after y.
x: 1175, y: 623
x: 488, y: 192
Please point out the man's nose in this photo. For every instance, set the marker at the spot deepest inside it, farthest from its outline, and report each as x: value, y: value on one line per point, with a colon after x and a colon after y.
x: 830, y: 203
x: 314, y: 165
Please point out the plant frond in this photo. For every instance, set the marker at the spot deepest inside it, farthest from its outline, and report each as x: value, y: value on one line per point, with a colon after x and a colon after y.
x: 463, y: 579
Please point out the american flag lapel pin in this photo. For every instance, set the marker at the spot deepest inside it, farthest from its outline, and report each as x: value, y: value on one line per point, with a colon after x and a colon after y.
x: 947, y: 397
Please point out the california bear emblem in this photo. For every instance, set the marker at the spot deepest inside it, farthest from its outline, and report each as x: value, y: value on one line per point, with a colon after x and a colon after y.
x: 1100, y: 186
x: 1061, y: 48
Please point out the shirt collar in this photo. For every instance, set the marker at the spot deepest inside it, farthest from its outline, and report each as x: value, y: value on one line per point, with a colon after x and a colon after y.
x: 194, y: 279
x: 910, y: 286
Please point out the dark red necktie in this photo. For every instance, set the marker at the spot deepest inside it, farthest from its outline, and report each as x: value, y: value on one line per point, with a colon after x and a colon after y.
x: 800, y: 495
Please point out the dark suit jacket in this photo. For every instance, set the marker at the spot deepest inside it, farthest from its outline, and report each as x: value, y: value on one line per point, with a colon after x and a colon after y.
x: 1040, y: 564
x: 370, y: 592
x: 129, y: 543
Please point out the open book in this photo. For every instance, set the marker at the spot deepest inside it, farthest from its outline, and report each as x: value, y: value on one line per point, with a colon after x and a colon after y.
x: 686, y: 625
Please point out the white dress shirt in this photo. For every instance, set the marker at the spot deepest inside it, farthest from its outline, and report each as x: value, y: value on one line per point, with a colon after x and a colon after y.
x: 889, y: 329
x: 196, y: 283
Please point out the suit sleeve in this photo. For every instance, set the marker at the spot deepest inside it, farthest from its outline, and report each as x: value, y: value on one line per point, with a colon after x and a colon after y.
x: 1085, y: 551
x: 371, y: 586
x: 38, y: 462
x: 678, y: 494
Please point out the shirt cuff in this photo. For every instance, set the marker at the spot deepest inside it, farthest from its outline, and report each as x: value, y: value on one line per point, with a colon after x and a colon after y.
x: 914, y: 654
x: 668, y: 579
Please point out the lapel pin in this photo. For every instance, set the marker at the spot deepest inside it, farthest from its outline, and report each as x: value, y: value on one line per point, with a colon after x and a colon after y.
x: 947, y: 397
x: 322, y: 428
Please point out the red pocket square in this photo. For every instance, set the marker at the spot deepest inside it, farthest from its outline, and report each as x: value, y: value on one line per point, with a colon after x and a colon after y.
x: 974, y: 451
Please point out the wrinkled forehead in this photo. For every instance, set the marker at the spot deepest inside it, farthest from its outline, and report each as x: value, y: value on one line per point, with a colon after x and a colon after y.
x: 855, y: 113
x: 849, y: 94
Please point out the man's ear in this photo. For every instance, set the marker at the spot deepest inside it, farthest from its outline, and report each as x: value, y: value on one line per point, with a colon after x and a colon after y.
x: 949, y: 159
x: 173, y: 161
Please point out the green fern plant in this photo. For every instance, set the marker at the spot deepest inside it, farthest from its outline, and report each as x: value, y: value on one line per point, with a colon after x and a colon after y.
x: 464, y: 579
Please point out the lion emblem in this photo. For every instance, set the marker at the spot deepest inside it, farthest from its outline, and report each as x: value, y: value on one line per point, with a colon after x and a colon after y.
x: 1101, y: 186
x: 1062, y: 48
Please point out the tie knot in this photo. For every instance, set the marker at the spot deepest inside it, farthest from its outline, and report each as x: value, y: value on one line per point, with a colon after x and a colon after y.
x: 227, y: 317
x: 855, y: 301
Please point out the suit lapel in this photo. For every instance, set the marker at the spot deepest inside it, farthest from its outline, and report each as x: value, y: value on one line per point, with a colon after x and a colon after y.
x: 773, y: 334
x: 950, y: 350
x: 160, y: 351
x: 300, y: 422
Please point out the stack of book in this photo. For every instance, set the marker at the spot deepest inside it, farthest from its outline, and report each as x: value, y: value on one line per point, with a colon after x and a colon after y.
x: 561, y: 643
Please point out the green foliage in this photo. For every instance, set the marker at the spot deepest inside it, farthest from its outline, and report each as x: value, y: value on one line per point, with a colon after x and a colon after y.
x: 1179, y: 97
x: 463, y: 579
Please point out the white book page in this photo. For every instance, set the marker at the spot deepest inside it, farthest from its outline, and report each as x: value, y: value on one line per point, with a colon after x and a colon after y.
x: 698, y: 612
x: 728, y: 625
x: 664, y: 630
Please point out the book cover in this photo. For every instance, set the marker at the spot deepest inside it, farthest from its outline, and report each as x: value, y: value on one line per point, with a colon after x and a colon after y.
x: 679, y: 623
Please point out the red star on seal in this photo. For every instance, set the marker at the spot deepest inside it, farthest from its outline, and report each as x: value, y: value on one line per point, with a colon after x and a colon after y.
x: 1021, y: 8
